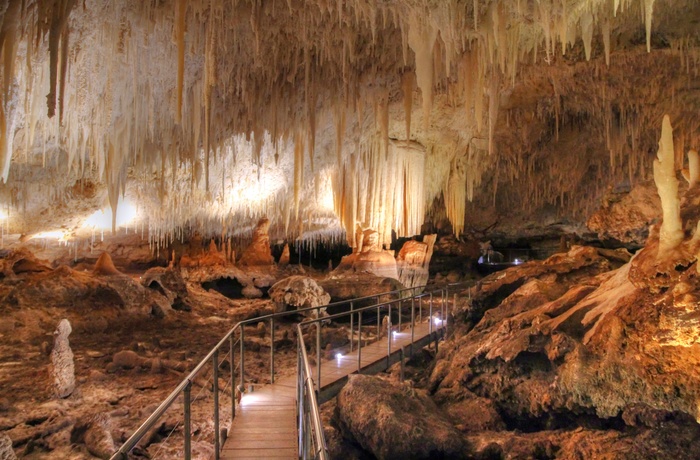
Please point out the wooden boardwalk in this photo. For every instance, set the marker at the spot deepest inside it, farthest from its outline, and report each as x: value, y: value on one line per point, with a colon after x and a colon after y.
x: 265, y: 423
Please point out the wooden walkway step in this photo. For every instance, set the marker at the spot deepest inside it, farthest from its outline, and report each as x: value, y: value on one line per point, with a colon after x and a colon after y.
x: 265, y: 425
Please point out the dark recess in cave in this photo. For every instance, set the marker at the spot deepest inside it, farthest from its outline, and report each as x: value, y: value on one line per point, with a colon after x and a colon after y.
x: 228, y: 287
x: 318, y: 258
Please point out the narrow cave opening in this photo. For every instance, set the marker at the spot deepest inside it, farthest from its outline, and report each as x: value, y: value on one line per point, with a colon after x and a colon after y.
x: 228, y: 287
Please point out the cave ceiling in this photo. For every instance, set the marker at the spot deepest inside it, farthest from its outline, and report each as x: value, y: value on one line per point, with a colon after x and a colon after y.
x: 171, y: 116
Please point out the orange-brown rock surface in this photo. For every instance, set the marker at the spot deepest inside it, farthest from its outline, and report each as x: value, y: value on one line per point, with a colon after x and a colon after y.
x: 578, y: 342
x: 413, y: 261
x: 391, y: 421
x: 258, y: 253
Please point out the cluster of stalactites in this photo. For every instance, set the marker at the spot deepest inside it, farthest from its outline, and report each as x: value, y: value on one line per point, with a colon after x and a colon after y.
x: 252, y: 67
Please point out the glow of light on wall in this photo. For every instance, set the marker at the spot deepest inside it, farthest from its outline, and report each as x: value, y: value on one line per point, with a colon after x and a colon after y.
x: 256, y: 192
x: 60, y: 235
x: 325, y: 199
x: 3, y: 216
x: 102, y: 219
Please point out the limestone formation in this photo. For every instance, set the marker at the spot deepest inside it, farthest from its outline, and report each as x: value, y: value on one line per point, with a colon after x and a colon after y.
x: 258, y: 253
x: 105, y: 266
x: 6, y: 451
x: 169, y: 282
x: 671, y: 233
x: 413, y: 261
x: 386, y: 420
x: 251, y: 292
x: 62, y: 366
x: 298, y: 292
x: 98, y: 437
x: 284, y: 258
x: 370, y: 257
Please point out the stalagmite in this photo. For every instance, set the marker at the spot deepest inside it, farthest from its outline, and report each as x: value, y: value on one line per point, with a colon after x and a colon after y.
x: 693, y: 168
x: 671, y: 233
x: 62, y: 366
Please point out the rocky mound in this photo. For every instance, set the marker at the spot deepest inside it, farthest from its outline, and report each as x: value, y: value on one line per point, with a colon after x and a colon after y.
x: 392, y: 421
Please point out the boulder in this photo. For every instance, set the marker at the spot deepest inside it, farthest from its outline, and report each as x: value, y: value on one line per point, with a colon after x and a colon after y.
x: 298, y: 292
x: 349, y: 285
x: 251, y: 292
x: 391, y: 421
x: 98, y: 437
x: 169, y: 282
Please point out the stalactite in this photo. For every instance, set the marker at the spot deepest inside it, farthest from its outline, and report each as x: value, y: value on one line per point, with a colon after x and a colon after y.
x: 234, y: 78
x: 60, y: 10
x: 180, y: 30
x: 407, y: 83
x: 421, y: 39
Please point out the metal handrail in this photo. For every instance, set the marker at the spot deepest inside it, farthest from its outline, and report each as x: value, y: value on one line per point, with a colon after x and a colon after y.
x: 308, y: 410
x: 185, y: 386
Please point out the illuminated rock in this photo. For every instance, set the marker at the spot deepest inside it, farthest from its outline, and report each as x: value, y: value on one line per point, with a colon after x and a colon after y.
x: 671, y: 233
x: 284, y: 258
x: 298, y: 292
x: 105, y: 266
x: 413, y: 261
x: 258, y: 253
x: 370, y: 257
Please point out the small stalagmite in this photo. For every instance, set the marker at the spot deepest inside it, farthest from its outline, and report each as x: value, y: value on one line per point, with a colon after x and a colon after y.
x: 62, y: 366
x: 105, y: 266
x: 284, y: 258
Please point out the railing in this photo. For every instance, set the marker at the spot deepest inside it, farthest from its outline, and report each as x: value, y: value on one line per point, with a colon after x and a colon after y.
x: 214, y: 361
x: 312, y: 443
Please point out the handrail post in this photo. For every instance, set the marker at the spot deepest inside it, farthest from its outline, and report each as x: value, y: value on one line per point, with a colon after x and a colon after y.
x: 400, y: 309
x: 233, y: 381
x: 215, y: 378
x: 272, y: 349
x: 188, y: 422
x: 430, y: 315
x: 388, y: 338
x: 242, y: 350
x: 352, y: 326
x: 379, y: 323
x: 318, y: 354
x: 420, y: 309
x: 401, y: 368
x: 300, y: 394
x: 359, y: 344
x: 413, y: 323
